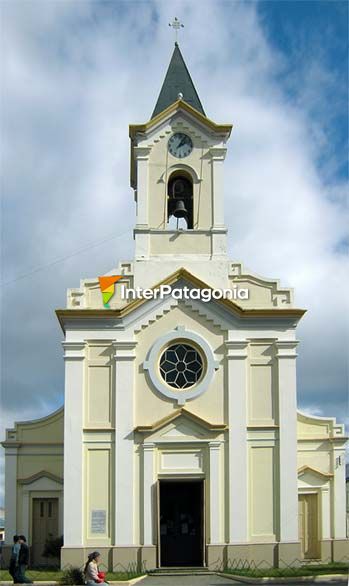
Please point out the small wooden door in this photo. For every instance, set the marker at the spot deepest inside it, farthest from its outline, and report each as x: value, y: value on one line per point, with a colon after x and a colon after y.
x: 45, y: 527
x: 308, y: 525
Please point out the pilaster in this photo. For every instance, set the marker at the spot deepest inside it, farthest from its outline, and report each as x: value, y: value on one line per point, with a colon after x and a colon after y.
x: 124, y: 355
x: 215, y: 488
x: 286, y: 358
x: 142, y: 162
x: 11, y: 453
x: 339, y: 494
x: 74, y: 355
x: 217, y: 159
x: 148, y: 499
x: 237, y: 353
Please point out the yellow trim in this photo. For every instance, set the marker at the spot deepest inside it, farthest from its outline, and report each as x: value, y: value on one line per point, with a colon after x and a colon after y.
x: 263, y: 426
x: 178, y: 413
x: 321, y: 438
x: 180, y: 273
x: 38, y: 475
x: 179, y: 105
x: 315, y: 470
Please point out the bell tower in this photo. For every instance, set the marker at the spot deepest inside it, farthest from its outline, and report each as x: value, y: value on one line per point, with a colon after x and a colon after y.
x: 177, y: 175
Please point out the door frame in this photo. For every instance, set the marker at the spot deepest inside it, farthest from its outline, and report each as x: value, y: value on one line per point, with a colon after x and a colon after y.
x: 198, y: 478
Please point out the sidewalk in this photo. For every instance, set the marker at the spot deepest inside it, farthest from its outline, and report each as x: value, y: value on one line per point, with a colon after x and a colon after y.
x: 324, y: 578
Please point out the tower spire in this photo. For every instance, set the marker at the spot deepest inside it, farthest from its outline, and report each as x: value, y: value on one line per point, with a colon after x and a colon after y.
x: 177, y: 81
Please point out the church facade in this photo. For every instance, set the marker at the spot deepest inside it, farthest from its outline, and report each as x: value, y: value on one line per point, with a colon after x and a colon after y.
x: 182, y: 441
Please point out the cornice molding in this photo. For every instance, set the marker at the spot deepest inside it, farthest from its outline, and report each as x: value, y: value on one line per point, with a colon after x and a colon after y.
x: 124, y: 349
x: 74, y: 350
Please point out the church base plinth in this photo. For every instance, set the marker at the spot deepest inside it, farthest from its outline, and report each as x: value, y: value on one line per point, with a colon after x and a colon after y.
x: 216, y: 557
x: 73, y: 556
x: 114, y: 558
x: 340, y: 550
x: 289, y: 554
x: 148, y: 557
x: 326, y: 551
x: 254, y: 554
x: 125, y: 558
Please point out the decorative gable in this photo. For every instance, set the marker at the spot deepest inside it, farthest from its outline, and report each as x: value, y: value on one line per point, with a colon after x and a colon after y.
x: 311, y: 477
x: 180, y: 426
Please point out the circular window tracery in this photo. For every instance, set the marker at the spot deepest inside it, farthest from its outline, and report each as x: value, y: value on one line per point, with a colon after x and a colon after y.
x: 181, y: 366
x: 196, y: 343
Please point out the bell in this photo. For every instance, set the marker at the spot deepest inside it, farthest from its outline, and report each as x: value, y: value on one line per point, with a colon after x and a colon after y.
x: 180, y: 210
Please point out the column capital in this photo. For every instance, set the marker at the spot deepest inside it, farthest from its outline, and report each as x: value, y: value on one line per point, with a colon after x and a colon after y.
x: 74, y: 350
x: 218, y: 153
x: 215, y: 445
x: 286, y: 349
x: 237, y: 349
x: 11, y: 448
x: 148, y: 446
x: 141, y: 153
x: 124, y: 349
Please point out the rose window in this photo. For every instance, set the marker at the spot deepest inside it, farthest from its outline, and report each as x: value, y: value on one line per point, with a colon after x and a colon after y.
x: 181, y: 366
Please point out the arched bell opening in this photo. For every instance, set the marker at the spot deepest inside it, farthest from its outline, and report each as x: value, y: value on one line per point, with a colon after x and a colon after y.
x: 180, y: 200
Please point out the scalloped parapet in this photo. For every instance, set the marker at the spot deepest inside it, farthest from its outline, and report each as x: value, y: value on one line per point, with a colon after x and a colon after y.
x: 314, y: 427
x: 263, y: 293
x: 45, y: 430
x: 88, y: 295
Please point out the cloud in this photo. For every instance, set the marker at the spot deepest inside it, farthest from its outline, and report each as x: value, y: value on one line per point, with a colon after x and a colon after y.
x: 74, y: 75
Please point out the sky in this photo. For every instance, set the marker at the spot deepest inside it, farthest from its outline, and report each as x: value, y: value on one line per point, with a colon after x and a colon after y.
x: 74, y: 75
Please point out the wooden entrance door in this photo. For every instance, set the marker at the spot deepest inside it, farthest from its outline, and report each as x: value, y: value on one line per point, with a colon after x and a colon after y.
x: 45, y: 527
x: 308, y: 525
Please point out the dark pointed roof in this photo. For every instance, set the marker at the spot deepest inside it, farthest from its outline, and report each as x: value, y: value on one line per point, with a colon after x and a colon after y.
x: 177, y: 81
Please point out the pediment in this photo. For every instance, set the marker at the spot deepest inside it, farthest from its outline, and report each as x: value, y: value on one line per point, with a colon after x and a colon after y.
x: 210, y: 314
x: 226, y: 308
x: 181, y: 431
x: 182, y: 425
x: 311, y: 470
x: 42, y: 476
x: 310, y: 476
x: 183, y: 108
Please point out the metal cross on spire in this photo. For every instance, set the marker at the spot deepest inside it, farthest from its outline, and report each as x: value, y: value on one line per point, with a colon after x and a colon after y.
x: 176, y: 25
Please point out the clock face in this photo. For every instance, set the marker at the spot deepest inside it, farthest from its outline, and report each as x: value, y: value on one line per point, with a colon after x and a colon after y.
x: 180, y: 145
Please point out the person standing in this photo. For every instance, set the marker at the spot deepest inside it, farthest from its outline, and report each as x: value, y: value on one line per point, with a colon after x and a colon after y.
x: 23, y: 561
x: 13, y: 567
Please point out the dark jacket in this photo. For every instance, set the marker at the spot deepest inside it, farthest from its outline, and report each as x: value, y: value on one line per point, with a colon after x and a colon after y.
x: 23, y: 557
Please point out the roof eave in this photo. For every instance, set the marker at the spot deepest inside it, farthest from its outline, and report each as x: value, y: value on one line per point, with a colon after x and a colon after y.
x: 180, y: 105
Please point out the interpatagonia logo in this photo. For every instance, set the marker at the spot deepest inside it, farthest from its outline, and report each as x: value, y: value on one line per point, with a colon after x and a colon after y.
x: 107, y: 286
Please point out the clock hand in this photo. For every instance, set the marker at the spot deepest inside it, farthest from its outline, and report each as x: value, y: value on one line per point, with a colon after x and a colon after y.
x: 183, y: 141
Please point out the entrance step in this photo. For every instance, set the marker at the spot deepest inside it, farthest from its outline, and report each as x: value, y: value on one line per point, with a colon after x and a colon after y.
x: 186, y: 571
